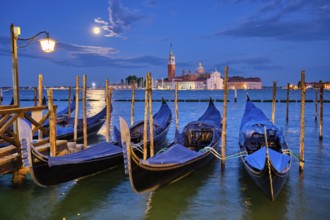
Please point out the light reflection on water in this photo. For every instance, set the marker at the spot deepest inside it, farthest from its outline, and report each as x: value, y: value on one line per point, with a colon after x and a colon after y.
x: 208, y: 193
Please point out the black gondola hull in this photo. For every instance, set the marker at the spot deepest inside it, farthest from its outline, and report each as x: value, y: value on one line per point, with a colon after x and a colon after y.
x: 147, y: 179
x: 45, y: 175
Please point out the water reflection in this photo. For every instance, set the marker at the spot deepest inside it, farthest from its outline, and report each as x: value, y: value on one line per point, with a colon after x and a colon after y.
x: 170, y: 201
x: 87, y: 194
x: 256, y: 204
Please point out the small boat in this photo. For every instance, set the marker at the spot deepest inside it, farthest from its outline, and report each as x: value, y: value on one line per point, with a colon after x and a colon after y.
x: 266, y: 158
x: 162, y: 120
x: 97, y: 158
x: 191, y: 150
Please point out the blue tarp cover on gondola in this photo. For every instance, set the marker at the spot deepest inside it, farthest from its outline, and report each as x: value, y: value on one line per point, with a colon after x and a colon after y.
x: 254, y: 121
x: 211, y: 114
x: 257, y: 160
x: 161, y: 118
x: 254, y: 115
x: 177, y: 154
x: 96, y: 151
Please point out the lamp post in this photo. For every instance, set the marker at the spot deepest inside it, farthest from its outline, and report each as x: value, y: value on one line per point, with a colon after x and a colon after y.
x: 47, y: 46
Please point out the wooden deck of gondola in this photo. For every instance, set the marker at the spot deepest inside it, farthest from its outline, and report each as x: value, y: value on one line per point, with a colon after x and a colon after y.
x: 9, y: 161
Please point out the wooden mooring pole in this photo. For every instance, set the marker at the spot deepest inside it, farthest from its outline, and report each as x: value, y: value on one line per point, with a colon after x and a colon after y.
x: 316, y: 103
x: 40, y: 90
x: 85, y: 110
x: 76, y: 111
x: 235, y: 95
x: 224, y: 120
x: 35, y: 96
x: 40, y: 100
x: 52, y: 123
x: 110, y: 112
x: 69, y: 100
x: 14, y: 58
x: 321, y: 110
x: 132, y: 104
x: 287, y: 102
x: 145, y: 126
x: 274, y: 102
x: 302, y: 123
x: 107, y: 102
x: 151, y: 119
x: 176, y: 106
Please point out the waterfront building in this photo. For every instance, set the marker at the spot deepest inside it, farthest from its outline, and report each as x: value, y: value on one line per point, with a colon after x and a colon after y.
x: 237, y: 82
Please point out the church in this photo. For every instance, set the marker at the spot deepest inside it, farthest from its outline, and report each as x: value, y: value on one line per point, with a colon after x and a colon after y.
x: 198, y: 80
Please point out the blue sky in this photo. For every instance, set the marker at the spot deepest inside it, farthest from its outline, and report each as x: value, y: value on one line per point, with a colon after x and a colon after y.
x: 273, y: 40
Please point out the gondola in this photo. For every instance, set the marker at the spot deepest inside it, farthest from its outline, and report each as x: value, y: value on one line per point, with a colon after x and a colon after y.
x: 94, y: 124
x: 191, y: 150
x: 63, y: 116
x: 66, y: 131
x: 46, y: 171
x: 162, y: 120
x: 266, y: 158
x: 97, y: 158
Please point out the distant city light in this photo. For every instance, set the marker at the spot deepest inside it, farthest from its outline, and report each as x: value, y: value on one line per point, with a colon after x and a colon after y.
x: 93, y: 85
x: 96, y: 30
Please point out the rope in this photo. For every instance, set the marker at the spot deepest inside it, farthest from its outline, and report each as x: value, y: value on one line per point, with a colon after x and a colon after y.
x: 290, y: 152
x: 218, y: 155
x: 137, y: 146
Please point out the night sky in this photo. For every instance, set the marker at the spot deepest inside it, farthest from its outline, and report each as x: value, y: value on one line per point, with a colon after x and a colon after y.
x: 273, y: 40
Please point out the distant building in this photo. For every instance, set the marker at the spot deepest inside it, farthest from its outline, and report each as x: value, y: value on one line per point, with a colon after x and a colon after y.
x: 237, y: 82
x: 317, y: 85
x: 201, y: 80
x: 215, y: 82
x: 122, y: 86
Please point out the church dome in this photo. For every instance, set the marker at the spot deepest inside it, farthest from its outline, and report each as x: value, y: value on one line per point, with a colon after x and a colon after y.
x: 200, y: 68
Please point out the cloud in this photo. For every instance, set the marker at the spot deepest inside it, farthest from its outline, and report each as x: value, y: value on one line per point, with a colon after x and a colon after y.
x: 96, y: 60
x: 121, y: 19
x: 82, y: 49
x: 73, y: 55
x: 302, y: 20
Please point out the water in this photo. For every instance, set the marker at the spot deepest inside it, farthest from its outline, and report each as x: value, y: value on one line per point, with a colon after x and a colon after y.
x: 208, y: 193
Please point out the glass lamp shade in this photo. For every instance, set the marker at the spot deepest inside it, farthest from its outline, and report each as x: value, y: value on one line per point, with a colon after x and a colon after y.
x: 47, y: 45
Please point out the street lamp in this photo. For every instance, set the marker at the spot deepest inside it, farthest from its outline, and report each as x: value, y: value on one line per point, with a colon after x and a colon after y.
x: 47, y: 46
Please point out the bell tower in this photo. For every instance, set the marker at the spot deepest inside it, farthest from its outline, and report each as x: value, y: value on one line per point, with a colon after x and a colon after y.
x: 171, y: 65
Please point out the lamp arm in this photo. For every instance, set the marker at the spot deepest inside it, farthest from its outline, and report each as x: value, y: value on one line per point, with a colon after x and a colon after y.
x: 31, y: 39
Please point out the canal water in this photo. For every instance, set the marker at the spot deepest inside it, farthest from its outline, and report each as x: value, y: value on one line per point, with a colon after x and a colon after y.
x: 209, y: 193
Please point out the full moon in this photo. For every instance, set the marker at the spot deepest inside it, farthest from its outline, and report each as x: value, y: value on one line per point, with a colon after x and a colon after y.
x: 96, y: 30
